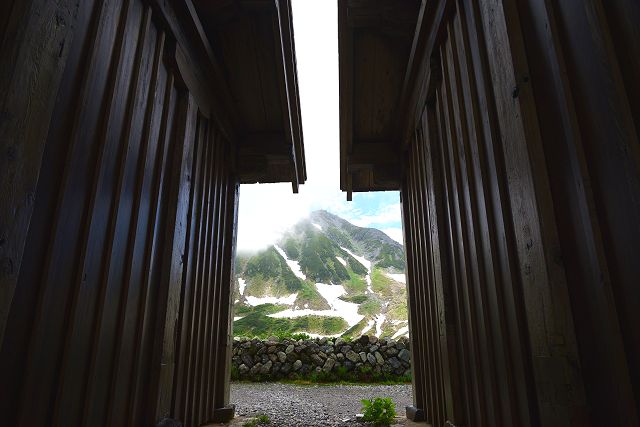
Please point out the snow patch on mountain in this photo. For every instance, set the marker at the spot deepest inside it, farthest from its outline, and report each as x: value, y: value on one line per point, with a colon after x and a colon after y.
x: 342, y: 261
x: 339, y: 308
x: 368, y: 327
x: 398, y: 277
x: 288, y: 300
x: 319, y: 227
x: 402, y: 331
x: 242, y: 284
x: 379, y: 321
x: 293, y: 265
x: 366, y: 263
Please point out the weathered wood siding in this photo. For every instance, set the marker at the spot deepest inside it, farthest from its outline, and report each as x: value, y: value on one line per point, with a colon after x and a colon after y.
x: 521, y: 214
x: 118, y: 217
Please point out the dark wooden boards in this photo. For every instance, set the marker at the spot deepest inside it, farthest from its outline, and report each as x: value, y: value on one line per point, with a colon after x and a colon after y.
x: 374, y: 45
x: 520, y: 185
x: 120, y: 141
x: 253, y: 42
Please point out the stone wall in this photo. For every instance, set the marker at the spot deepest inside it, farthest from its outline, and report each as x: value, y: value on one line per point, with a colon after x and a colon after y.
x: 287, y: 358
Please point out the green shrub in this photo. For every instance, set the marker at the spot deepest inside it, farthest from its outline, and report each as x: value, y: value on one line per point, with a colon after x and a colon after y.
x: 379, y: 411
x: 260, y: 420
x: 263, y: 419
x: 300, y: 336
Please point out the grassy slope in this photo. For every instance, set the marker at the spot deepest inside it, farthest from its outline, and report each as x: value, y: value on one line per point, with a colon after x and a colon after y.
x: 258, y: 324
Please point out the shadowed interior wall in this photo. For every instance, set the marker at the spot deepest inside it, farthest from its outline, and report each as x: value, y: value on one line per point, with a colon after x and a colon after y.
x: 521, y: 215
x: 120, y: 188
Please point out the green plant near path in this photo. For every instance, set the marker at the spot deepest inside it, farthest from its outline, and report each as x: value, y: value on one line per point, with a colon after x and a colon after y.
x: 260, y: 420
x: 379, y: 411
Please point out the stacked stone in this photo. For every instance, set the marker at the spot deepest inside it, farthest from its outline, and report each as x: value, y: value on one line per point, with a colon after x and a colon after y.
x: 276, y: 359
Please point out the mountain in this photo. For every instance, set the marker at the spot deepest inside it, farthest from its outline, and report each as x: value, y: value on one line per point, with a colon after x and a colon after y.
x: 325, y: 276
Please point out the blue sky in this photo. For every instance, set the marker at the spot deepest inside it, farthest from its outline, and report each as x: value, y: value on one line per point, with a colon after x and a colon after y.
x: 268, y: 209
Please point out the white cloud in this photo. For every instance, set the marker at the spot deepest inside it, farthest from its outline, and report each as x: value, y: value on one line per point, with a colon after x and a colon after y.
x: 395, y: 234
x: 385, y: 215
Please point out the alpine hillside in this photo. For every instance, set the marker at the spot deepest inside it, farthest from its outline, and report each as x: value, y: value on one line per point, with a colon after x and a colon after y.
x: 324, y: 277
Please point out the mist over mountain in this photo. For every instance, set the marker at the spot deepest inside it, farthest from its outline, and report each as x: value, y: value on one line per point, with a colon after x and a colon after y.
x: 325, y: 276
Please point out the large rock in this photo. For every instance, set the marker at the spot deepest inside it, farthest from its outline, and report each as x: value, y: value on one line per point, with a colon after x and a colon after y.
x: 247, y: 360
x: 379, y: 358
x: 339, y: 341
x: 266, y: 368
x: 291, y: 357
x: 363, y: 356
x: 405, y: 355
x: 297, y: 365
x: 282, y: 357
x: 317, y: 360
x: 243, y: 369
x: 393, y: 361
x: 352, y: 356
x: 255, y: 369
x: 289, y: 349
x: 391, y: 351
x: 371, y: 358
x: 328, y: 365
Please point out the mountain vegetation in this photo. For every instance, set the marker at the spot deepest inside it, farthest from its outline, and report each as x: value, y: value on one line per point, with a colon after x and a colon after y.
x: 325, y: 277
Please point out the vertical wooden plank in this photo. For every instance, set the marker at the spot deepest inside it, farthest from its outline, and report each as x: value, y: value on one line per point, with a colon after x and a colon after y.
x: 121, y: 381
x: 407, y: 229
x: 193, y: 261
x: 112, y: 331
x: 161, y: 380
x: 449, y: 130
x: 480, y: 279
x: 216, y: 332
x: 453, y: 399
x: 551, y: 330
x: 423, y: 272
x: 202, y: 322
x: 106, y: 231
x: 195, y: 322
x: 506, y: 249
x: 428, y: 302
x: 27, y: 101
x: 69, y: 232
x: 456, y: 291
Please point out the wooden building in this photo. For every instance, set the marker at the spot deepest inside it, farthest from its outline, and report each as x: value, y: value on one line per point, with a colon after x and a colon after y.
x: 511, y: 128
x: 125, y: 129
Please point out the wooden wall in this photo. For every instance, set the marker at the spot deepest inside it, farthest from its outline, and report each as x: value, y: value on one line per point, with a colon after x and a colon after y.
x: 521, y: 214
x: 118, y: 215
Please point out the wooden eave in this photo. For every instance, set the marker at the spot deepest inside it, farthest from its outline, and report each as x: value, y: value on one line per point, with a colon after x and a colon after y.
x: 375, y: 43
x: 252, y: 44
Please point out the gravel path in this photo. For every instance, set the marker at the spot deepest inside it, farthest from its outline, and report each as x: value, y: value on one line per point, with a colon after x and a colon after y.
x: 312, y: 405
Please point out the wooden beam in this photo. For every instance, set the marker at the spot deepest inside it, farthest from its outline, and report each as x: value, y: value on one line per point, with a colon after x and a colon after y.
x: 428, y: 31
x: 368, y: 154
x: 345, y: 42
